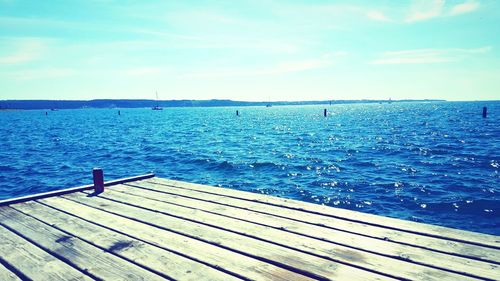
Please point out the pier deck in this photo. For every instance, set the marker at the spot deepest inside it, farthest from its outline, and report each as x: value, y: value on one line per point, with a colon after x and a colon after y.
x: 153, y: 228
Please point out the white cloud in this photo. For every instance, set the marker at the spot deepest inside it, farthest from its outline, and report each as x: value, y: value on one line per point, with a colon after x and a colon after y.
x: 421, y: 10
x: 334, y: 54
x: 481, y: 50
x: 377, y: 16
x: 142, y: 71
x: 26, y: 50
x: 164, y: 34
x: 428, y: 56
x: 463, y: 8
x: 424, y: 10
x: 284, y: 67
x: 42, y: 73
x: 295, y: 66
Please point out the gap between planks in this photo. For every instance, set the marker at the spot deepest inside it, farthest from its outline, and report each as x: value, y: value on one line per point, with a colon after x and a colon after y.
x: 255, y: 224
x: 427, y: 243
x: 451, y: 234
x: 218, y: 257
x: 148, y: 255
x: 85, y: 257
x: 296, y: 261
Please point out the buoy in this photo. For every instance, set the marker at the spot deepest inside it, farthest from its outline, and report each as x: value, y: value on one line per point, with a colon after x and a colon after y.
x: 324, y: 112
x: 485, y: 112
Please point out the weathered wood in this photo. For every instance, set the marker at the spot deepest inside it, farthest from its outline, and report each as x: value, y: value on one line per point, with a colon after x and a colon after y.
x: 147, y: 255
x: 33, y: 262
x: 269, y: 252
x: 72, y: 250
x: 230, y: 217
x: 408, y: 226
x: 98, y: 177
x: 156, y: 229
x: 6, y: 202
x: 204, y: 252
x: 451, y: 247
x: 7, y: 275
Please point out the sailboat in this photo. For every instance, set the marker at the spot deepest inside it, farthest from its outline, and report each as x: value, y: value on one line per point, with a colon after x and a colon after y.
x: 157, y: 106
x: 54, y: 108
x: 269, y: 103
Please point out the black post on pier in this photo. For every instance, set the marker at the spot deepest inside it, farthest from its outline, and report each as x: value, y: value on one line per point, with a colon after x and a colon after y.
x: 98, y: 180
x: 324, y: 112
x: 485, y: 112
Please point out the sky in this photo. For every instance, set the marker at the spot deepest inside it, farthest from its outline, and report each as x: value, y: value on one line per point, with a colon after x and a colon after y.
x: 254, y: 50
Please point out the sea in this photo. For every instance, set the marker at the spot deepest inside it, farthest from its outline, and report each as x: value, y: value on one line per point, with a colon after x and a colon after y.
x: 431, y: 162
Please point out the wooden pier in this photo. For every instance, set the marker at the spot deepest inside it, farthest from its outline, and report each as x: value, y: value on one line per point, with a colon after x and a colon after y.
x: 149, y: 228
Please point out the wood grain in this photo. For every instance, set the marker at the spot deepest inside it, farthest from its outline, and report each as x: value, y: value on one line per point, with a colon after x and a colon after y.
x: 147, y: 255
x: 32, y: 261
x: 72, y: 250
x: 285, y: 231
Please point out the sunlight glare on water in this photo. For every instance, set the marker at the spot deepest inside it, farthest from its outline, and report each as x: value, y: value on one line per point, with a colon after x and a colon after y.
x: 431, y: 162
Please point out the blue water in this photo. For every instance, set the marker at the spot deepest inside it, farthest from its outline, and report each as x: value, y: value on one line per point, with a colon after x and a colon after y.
x: 430, y: 162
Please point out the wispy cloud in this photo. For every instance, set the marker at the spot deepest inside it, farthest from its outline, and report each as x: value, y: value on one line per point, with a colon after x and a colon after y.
x: 142, y: 71
x: 428, y: 56
x: 464, y: 8
x: 165, y: 34
x: 334, y: 54
x: 25, y: 50
x: 280, y: 68
x: 421, y: 10
x: 377, y: 16
x: 42, y: 73
x: 424, y: 10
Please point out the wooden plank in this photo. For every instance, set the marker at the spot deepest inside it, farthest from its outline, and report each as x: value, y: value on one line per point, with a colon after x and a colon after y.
x: 218, y: 215
x: 450, y: 247
x: 149, y: 256
x: 363, y: 259
x: 208, y: 253
x: 31, y: 261
x: 79, y: 254
x: 7, y: 275
x: 10, y: 201
x: 270, y: 253
x: 393, y: 223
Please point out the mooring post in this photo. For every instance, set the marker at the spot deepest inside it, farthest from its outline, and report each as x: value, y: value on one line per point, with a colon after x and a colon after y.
x: 119, y: 112
x: 485, y: 112
x: 324, y: 112
x: 237, y: 113
x: 98, y: 180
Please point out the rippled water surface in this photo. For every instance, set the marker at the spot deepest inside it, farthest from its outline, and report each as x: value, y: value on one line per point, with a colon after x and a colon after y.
x: 431, y: 162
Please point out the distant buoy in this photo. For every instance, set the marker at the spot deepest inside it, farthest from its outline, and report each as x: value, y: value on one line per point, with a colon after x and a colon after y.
x: 46, y: 113
x: 324, y: 112
x: 485, y: 112
x: 237, y: 113
x: 119, y: 112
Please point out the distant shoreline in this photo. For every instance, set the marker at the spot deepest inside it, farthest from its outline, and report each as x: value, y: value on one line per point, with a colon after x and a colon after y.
x: 140, y: 103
